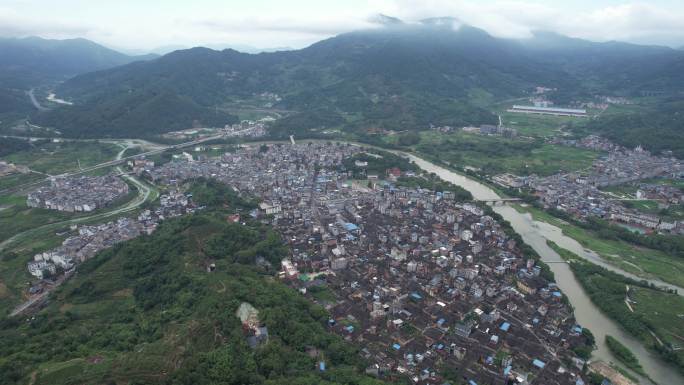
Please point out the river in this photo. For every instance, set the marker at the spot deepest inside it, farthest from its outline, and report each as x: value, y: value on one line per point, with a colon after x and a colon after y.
x: 535, y: 234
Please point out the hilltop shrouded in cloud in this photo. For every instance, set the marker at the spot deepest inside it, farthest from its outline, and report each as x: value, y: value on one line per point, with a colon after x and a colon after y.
x: 298, y: 23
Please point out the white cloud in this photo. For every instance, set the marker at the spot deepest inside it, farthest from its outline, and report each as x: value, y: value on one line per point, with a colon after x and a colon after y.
x: 12, y: 23
x: 327, y: 25
x: 300, y: 22
x: 630, y: 21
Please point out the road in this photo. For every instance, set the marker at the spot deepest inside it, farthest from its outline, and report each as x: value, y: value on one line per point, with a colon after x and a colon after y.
x: 38, y: 299
x: 115, y: 162
x: 130, y: 142
x: 144, y: 192
x: 35, y: 101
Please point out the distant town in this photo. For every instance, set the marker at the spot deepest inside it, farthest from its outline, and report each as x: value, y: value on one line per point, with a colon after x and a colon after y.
x: 583, y: 194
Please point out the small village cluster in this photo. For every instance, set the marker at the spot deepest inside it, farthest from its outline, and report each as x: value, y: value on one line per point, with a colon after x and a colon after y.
x: 580, y: 193
x: 11, y: 168
x: 485, y: 129
x: 247, y: 128
x: 78, y: 194
x: 416, y: 279
x: 244, y: 129
x: 92, y: 239
x: 506, y: 132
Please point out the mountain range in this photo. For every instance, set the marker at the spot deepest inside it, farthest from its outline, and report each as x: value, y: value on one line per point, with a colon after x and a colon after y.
x: 165, y: 49
x: 396, y: 76
x: 31, y: 61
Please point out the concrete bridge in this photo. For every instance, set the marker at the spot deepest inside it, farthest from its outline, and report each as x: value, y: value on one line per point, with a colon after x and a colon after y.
x: 500, y: 200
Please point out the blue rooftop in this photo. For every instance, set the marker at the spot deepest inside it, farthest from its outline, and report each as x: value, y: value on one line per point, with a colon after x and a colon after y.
x: 396, y: 346
x: 557, y: 294
x: 539, y: 364
x: 471, y: 382
x: 505, y: 326
x: 416, y: 295
x: 351, y: 226
x: 350, y: 328
x: 507, y: 370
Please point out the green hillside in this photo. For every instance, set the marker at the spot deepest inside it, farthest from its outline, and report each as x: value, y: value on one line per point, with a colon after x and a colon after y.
x: 148, y: 311
x: 396, y: 77
x: 147, y: 114
x: 33, y: 61
x: 657, y: 127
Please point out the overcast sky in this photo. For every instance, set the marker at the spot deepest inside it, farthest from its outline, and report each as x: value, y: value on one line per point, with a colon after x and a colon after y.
x: 147, y: 24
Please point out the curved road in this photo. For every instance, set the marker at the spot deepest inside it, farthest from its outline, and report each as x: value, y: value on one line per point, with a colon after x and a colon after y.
x: 115, y: 162
x: 35, y: 102
x: 144, y: 192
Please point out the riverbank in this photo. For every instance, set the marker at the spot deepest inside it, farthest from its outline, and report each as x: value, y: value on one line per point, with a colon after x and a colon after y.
x: 635, y: 262
x: 651, y: 315
x: 586, y: 312
x: 624, y: 355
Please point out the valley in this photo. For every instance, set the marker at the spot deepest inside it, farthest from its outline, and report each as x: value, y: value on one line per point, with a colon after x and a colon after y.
x: 414, y: 202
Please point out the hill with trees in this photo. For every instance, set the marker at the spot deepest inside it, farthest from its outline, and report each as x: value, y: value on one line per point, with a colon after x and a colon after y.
x: 32, y: 61
x: 149, y: 311
x: 657, y: 127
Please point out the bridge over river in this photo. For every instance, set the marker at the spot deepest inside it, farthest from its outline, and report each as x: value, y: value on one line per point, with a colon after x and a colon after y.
x: 499, y: 200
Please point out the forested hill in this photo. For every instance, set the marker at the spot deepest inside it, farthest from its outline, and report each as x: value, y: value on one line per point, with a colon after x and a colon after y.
x: 608, y: 68
x: 149, y: 312
x: 396, y: 76
x: 32, y: 61
x: 657, y: 127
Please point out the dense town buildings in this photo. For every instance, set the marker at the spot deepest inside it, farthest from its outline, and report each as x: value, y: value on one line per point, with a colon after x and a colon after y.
x: 418, y: 280
x: 78, y: 194
x: 422, y: 283
x: 92, y: 239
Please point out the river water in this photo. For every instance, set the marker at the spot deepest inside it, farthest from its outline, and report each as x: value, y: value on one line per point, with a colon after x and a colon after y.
x: 535, y: 234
